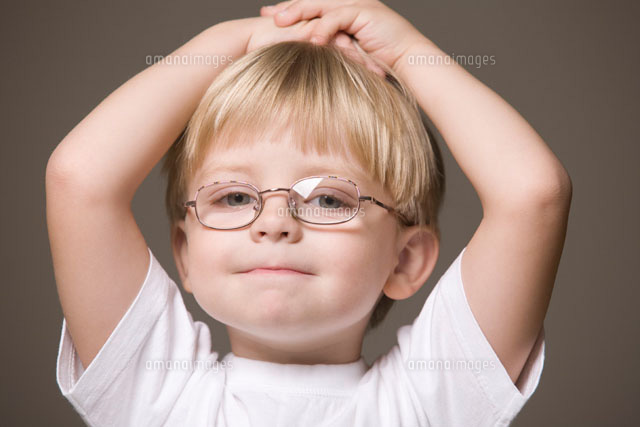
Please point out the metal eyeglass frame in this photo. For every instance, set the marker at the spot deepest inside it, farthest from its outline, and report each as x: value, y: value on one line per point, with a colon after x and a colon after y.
x: 192, y: 203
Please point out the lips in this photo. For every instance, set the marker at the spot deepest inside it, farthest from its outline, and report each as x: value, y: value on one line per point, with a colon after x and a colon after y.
x: 276, y: 269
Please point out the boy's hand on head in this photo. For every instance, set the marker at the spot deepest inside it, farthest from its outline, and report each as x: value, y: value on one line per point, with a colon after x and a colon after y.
x: 379, y: 31
x: 352, y: 49
x: 263, y: 32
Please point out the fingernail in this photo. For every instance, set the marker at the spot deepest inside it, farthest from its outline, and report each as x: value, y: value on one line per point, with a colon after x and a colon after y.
x: 283, y: 12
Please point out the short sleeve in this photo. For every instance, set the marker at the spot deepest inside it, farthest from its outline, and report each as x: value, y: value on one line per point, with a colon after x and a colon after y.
x: 130, y: 382
x: 454, y: 372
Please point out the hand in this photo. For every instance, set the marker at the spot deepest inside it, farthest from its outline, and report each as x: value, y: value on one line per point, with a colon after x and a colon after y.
x: 263, y: 31
x: 381, y: 32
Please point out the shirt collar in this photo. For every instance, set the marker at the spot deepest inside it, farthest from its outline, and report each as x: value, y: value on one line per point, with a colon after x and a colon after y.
x: 255, y: 373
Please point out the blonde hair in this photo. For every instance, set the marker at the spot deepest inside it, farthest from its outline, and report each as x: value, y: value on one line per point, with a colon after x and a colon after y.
x: 330, y: 104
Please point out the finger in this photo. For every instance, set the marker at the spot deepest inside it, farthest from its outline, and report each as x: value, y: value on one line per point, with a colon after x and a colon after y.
x: 334, y: 21
x: 372, y: 66
x: 349, y: 47
x: 369, y: 60
x: 343, y: 42
x: 305, y: 10
x: 273, y: 9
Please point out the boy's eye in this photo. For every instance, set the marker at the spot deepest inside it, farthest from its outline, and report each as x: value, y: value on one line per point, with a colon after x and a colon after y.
x: 328, y: 202
x: 237, y: 199
x: 231, y: 198
x: 331, y: 199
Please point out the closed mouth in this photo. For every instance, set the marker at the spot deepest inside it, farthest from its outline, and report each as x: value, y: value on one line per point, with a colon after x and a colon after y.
x: 270, y: 270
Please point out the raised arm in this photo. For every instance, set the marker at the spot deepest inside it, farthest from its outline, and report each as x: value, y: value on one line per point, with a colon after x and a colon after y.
x: 100, y: 257
x: 510, y: 264
x: 115, y: 147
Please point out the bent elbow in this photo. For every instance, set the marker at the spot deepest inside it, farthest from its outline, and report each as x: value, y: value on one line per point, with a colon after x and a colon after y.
x: 555, y: 190
x: 548, y: 192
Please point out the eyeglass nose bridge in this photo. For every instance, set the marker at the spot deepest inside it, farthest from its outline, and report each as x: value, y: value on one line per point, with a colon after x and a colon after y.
x: 270, y: 190
x: 274, y: 189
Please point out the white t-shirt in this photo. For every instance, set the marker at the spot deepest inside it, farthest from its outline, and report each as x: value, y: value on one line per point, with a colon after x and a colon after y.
x: 157, y: 369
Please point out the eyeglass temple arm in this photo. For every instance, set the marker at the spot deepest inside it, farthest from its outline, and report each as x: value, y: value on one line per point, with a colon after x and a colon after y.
x: 377, y: 202
x: 389, y: 208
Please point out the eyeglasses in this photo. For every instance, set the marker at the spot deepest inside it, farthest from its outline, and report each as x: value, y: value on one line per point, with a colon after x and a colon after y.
x: 324, y: 200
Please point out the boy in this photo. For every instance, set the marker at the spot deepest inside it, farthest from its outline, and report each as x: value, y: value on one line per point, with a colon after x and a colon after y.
x: 303, y: 193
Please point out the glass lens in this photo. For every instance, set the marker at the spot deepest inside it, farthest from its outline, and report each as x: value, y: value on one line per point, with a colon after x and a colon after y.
x: 227, y: 205
x: 325, y: 200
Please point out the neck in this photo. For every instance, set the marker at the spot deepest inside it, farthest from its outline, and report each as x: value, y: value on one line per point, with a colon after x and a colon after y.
x: 345, y: 347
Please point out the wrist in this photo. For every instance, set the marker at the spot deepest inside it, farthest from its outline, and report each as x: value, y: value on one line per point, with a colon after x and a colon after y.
x: 415, y: 53
x: 229, y: 37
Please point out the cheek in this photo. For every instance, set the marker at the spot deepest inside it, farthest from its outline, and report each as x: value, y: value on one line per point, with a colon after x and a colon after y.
x: 211, y: 260
x: 356, y: 270
x: 363, y: 256
x: 211, y: 255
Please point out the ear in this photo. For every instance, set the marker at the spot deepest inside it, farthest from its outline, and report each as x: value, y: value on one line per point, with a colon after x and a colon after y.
x: 180, y: 248
x: 418, y: 249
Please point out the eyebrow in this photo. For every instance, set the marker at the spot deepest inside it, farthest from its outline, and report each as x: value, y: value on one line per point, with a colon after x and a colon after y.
x: 351, y: 173
x: 211, y: 170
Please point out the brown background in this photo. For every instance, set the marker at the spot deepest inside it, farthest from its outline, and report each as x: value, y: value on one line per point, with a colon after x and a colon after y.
x: 571, y: 68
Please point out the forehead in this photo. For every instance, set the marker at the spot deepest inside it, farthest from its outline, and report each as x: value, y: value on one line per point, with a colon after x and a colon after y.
x: 260, y: 162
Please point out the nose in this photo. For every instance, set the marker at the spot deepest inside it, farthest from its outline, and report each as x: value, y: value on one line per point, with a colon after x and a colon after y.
x: 275, y: 221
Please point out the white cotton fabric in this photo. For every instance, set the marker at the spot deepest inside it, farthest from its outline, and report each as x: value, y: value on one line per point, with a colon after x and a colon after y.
x: 158, y: 369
